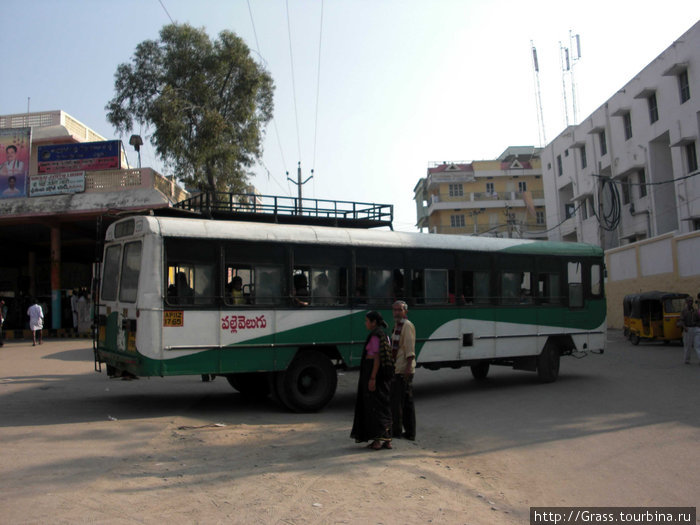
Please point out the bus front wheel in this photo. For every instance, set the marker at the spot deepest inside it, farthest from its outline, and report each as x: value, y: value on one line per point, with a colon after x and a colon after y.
x: 480, y: 371
x: 309, y: 382
x: 548, y: 364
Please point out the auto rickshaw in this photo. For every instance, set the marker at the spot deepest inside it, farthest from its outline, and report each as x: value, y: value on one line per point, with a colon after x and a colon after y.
x: 626, y: 309
x: 654, y: 316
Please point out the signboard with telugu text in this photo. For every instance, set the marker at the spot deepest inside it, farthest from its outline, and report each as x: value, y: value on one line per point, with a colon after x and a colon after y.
x: 57, y: 184
x: 86, y: 156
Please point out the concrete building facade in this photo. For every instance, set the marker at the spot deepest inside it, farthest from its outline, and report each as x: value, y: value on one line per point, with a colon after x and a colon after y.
x: 628, y: 171
x: 502, y: 197
x: 49, y: 242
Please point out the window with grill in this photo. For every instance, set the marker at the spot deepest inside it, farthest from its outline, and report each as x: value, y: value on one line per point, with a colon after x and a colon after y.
x: 456, y: 190
x: 627, y: 123
x: 653, y: 108
x: 691, y: 156
x: 684, y: 86
x: 457, y: 221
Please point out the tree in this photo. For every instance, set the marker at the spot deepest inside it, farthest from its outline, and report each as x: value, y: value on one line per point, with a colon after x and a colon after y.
x: 206, y: 101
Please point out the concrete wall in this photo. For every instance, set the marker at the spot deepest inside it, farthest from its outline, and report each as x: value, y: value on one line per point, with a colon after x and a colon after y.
x: 668, y: 263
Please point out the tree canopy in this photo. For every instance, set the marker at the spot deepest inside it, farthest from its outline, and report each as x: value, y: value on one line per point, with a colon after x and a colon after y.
x: 206, y: 101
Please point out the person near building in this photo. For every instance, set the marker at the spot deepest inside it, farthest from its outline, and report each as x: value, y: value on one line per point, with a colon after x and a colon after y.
x: 403, y: 341
x: 372, y: 421
x: 36, y: 321
x: 689, y: 323
x: 74, y: 310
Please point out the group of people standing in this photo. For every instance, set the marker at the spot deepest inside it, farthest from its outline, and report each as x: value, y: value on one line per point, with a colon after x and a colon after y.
x: 384, y: 406
x: 690, y: 322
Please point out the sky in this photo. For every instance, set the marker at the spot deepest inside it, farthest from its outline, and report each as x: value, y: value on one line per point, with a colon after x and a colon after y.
x: 368, y: 93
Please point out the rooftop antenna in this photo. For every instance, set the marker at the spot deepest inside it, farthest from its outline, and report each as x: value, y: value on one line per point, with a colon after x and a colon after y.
x: 574, y: 39
x: 538, y: 98
x: 565, y: 67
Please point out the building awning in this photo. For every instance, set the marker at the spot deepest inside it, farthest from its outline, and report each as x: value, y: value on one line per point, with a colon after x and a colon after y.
x: 684, y: 141
x: 645, y: 93
x: 675, y: 69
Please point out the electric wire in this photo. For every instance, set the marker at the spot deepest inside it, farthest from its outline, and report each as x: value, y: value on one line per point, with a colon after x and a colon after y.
x: 318, y: 89
x: 274, y: 121
x: 166, y: 11
x: 294, y: 89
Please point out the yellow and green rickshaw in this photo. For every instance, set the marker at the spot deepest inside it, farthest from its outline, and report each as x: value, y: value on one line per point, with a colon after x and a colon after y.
x: 653, y: 316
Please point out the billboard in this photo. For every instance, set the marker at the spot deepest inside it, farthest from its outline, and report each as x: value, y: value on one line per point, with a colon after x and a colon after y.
x: 57, y: 183
x: 83, y: 156
x: 15, y: 148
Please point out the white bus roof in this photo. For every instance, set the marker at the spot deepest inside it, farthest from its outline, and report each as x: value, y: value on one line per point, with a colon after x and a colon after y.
x: 302, y: 234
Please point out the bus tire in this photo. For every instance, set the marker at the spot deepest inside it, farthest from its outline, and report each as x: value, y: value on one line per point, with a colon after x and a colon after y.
x: 309, y: 382
x: 634, y: 339
x: 480, y: 371
x: 548, y: 364
x: 250, y: 384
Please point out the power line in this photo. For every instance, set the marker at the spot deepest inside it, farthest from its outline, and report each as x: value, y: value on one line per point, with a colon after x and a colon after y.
x: 618, y: 181
x: 294, y: 89
x: 166, y: 11
x: 274, y: 121
x: 318, y: 85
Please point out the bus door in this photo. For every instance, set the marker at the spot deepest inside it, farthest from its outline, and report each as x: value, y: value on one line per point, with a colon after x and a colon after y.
x: 117, y: 319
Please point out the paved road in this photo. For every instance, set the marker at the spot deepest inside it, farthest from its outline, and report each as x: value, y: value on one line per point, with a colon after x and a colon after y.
x: 619, y: 429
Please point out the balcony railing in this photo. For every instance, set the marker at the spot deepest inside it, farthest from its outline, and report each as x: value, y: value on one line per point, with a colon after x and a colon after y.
x: 291, y: 210
x: 118, y: 180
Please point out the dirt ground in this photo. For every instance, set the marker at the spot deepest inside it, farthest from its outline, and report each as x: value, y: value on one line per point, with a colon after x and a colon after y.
x: 76, y: 447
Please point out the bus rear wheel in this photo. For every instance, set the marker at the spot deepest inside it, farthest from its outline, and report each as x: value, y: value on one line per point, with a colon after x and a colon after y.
x: 309, y: 382
x: 480, y: 371
x: 251, y: 384
x: 548, y: 364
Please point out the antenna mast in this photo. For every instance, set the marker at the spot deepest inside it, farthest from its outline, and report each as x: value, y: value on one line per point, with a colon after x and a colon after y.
x: 574, y: 60
x: 564, y: 55
x: 538, y: 99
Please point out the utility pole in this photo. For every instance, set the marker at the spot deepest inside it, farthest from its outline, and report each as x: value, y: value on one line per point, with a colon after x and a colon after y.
x: 299, y: 184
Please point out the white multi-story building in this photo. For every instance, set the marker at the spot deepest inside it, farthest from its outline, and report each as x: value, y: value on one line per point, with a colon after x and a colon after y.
x: 629, y: 171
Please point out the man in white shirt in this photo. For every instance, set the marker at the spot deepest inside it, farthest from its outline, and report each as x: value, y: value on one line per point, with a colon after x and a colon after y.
x: 403, y: 339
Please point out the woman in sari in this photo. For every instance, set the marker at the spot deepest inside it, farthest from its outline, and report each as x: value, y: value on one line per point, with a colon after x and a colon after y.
x: 373, y: 404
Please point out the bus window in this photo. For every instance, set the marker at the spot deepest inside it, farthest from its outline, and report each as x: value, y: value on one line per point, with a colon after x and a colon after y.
x: 596, y: 280
x: 239, y: 282
x: 190, y: 284
x: 131, y: 267
x: 267, y: 286
x: 575, y: 284
x: 476, y: 287
x: 360, y: 292
x: 300, y: 287
x: 328, y: 286
x: 110, y: 279
x: 380, y: 286
x: 436, y: 287
x: 516, y: 288
x: 548, y: 288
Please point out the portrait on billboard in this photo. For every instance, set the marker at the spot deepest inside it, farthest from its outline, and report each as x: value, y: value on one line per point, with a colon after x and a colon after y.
x: 15, y: 148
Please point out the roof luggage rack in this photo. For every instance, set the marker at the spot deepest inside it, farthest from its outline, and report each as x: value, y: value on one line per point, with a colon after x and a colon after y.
x: 289, y: 210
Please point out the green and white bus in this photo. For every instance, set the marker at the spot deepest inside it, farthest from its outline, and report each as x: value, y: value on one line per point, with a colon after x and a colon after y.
x: 279, y: 308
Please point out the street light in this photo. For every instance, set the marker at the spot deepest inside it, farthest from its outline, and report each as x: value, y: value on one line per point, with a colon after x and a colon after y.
x: 136, y: 141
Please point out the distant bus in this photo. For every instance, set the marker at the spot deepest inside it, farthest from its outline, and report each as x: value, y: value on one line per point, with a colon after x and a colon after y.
x: 278, y: 309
